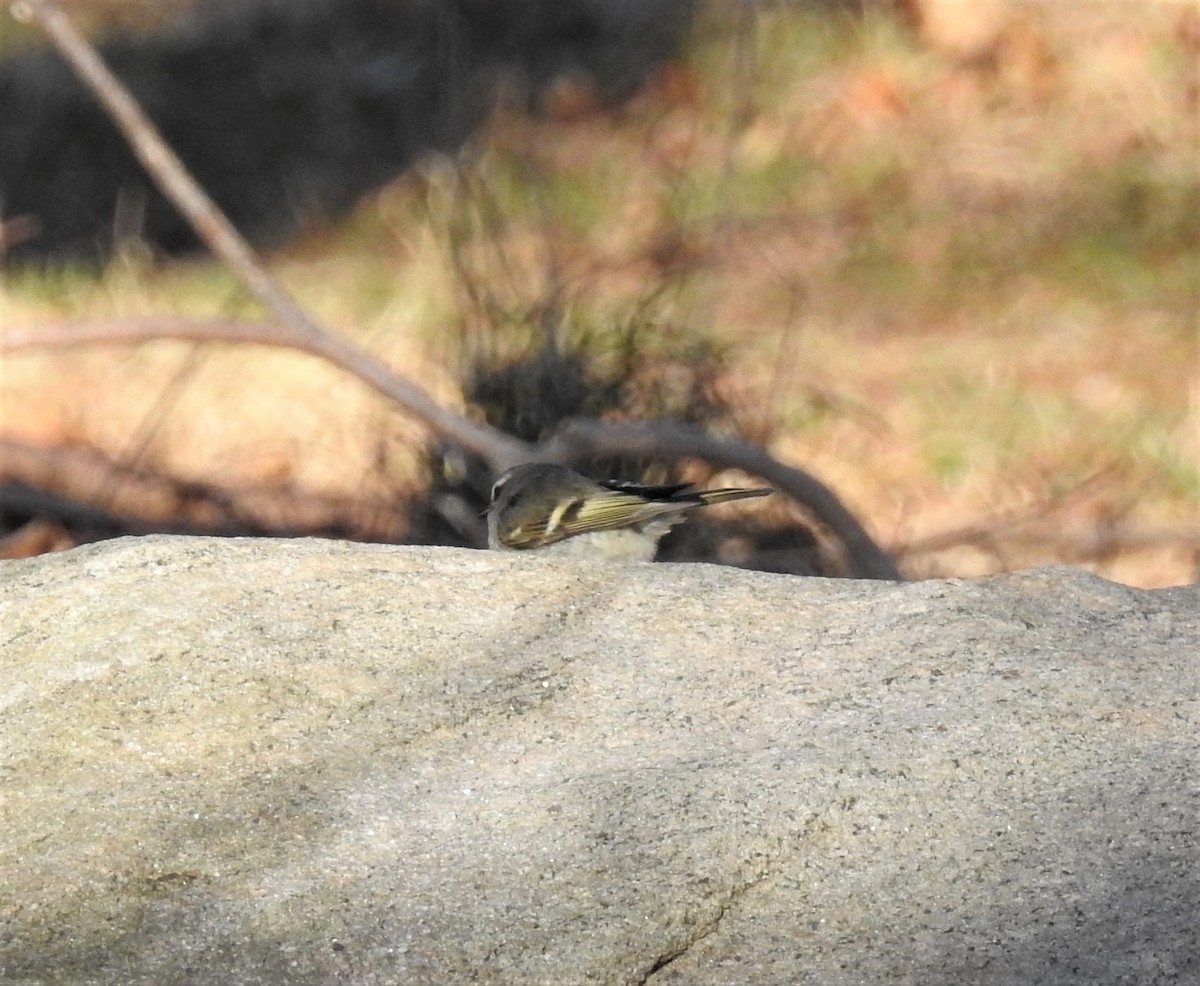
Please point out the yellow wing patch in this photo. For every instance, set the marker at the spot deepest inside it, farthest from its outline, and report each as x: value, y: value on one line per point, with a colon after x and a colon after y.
x: 582, y: 515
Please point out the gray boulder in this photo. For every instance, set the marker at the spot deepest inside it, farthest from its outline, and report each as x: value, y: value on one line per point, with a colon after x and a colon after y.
x: 308, y: 762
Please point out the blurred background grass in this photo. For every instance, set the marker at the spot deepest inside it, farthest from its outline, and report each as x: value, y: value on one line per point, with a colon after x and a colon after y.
x: 949, y: 252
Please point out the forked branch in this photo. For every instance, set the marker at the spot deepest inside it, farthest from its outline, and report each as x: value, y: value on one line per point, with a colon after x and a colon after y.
x: 295, y: 329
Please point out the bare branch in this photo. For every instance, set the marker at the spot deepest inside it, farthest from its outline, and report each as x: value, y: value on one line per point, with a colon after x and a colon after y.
x: 575, y: 441
x: 1075, y: 540
x: 68, y: 335
x: 299, y: 330
x: 142, y: 501
x: 37, y: 537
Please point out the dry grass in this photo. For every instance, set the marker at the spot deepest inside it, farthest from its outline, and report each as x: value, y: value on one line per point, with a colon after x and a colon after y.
x: 958, y: 269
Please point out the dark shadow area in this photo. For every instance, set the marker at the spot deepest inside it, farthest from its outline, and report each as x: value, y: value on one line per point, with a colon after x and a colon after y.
x: 288, y: 111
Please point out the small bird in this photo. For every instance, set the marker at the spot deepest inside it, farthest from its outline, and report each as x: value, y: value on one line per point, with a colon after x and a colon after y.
x: 550, y: 507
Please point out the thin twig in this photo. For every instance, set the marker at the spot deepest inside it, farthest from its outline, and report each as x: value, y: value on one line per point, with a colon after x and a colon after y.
x: 67, y: 335
x: 1079, y: 540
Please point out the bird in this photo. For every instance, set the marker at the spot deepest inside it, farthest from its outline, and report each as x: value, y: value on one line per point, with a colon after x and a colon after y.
x: 546, y: 507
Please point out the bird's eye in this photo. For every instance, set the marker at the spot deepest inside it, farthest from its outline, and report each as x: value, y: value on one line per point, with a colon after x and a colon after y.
x: 496, y: 487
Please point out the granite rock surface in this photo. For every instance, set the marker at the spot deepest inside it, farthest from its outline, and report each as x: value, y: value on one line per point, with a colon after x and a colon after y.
x: 310, y: 762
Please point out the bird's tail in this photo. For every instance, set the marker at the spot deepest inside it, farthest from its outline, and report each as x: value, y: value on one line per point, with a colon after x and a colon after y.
x: 733, y: 493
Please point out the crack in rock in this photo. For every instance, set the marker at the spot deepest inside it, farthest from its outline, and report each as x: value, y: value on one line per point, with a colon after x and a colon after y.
x: 702, y: 931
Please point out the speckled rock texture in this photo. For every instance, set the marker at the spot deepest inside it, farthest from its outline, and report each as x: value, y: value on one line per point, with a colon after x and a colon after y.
x: 309, y: 762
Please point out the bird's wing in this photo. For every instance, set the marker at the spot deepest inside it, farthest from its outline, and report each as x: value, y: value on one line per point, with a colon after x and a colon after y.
x: 733, y: 493
x: 648, y: 491
x: 595, y: 512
